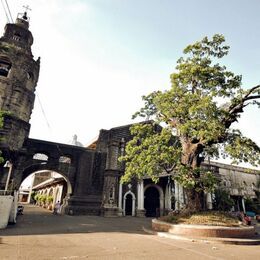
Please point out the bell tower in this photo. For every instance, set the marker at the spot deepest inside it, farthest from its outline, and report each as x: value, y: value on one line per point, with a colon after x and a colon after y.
x: 19, y: 74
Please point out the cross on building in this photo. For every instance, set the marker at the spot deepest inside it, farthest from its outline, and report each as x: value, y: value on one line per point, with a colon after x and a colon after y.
x: 27, y: 8
x: 25, y: 12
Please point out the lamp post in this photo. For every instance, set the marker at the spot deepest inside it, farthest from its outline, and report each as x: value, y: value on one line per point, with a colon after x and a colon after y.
x: 9, y: 165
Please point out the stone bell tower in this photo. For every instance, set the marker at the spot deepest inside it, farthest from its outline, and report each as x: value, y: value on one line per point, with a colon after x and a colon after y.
x: 19, y: 74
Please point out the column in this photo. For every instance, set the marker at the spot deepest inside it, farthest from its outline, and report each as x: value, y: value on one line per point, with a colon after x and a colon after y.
x: 209, y: 200
x: 243, y: 205
x: 166, y: 203
x: 181, y: 196
x: 140, y: 199
x: 169, y: 196
x: 120, y: 196
x: 177, y: 202
x: 142, y: 194
x: 138, y: 195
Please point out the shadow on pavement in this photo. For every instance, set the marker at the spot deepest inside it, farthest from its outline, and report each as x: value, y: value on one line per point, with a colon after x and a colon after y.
x: 38, y: 221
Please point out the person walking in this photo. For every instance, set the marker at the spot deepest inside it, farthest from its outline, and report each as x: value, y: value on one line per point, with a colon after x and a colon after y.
x: 56, y: 208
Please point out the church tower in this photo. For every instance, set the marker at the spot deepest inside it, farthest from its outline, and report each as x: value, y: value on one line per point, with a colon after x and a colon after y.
x: 19, y: 74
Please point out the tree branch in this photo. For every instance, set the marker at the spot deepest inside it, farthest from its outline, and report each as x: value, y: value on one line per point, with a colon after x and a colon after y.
x: 238, y: 106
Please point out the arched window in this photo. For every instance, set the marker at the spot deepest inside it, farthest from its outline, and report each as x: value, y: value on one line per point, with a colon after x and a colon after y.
x: 5, y: 66
x: 17, y: 37
x: 65, y: 159
x: 29, y: 75
x: 40, y: 157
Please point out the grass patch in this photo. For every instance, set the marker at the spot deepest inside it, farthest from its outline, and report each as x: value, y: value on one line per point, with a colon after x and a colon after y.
x: 210, y: 218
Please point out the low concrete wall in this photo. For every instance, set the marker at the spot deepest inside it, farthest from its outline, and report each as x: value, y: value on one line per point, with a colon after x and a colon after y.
x: 5, y: 208
x: 203, y: 231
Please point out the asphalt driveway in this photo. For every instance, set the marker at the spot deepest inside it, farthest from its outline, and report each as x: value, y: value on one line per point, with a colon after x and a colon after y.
x: 41, y: 235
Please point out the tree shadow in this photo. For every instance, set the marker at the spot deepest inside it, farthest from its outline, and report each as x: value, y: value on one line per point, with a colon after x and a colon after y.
x: 39, y: 221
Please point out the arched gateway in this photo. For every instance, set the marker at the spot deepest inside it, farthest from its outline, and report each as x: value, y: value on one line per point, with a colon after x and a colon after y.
x: 93, y: 173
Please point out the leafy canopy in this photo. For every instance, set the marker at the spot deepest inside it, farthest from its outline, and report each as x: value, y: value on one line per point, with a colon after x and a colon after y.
x: 196, y: 115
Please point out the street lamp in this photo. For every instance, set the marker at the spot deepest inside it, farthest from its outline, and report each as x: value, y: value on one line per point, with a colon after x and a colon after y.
x: 9, y: 165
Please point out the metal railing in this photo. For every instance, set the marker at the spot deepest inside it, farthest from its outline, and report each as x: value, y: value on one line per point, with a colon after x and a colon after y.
x: 6, y: 192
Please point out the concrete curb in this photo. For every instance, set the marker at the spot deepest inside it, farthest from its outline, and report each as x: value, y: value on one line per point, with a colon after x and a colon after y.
x: 240, y: 232
x: 234, y: 241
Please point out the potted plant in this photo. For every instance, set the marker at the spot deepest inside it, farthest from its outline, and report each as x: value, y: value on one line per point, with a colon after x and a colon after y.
x: 50, y: 201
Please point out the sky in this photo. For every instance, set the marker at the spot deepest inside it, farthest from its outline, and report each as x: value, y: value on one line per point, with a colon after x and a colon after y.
x: 98, y: 57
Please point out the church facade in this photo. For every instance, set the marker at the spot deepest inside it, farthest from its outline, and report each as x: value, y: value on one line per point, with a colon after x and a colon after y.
x: 93, y: 173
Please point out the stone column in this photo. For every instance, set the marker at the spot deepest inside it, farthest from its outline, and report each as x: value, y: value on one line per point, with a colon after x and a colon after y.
x: 209, y: 201
x: 177, y: 201
x: 120, y: 210
x: 140, y: 199
x: 138, y: 196
x: 181, y: 196
x: 169, y: 197
x: 142, y: 194
x: 243, y: 205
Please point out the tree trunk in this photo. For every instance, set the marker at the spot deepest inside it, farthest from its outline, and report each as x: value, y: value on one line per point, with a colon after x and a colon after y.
x: 190, y: 158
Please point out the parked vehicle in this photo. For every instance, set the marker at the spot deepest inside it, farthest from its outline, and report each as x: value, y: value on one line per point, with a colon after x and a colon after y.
x: 20, y: 210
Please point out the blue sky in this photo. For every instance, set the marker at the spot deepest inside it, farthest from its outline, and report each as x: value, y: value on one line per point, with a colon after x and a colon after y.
x: 98, y: 57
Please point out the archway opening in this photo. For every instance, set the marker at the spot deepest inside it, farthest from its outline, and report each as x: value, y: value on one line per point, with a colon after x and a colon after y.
x: 152, y: 202
x: 128, y: 205
x: 45, y: 188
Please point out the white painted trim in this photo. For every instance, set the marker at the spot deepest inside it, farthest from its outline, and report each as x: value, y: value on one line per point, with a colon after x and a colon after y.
x: 133, y: 202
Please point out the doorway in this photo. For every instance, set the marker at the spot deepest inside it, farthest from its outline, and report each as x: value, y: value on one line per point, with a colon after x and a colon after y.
x: 152, y: 202
x: 128, y: 205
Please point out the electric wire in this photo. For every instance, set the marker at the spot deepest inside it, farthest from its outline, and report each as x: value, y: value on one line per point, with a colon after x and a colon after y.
x: 8, y: 20
x: 47, y: 122
x: 43, y: 112
x: 9, y: 11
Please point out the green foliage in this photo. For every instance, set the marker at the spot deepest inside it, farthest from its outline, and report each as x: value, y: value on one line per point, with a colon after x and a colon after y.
x: 199, y: 179
x: 33, y: 195
x: 41, y: 198
x: 222, y: 200
x: 192, y: 112
x: 242, y: 149
x: 36, y: 196
x: 49, y: 199
x: 152, y: 150
x: 4, y: 47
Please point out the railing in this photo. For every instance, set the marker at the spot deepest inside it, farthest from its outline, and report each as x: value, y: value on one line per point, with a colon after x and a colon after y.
x: 6, y: 192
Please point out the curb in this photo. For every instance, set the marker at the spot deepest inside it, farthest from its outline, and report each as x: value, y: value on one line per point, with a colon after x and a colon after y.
x: 233, y: 241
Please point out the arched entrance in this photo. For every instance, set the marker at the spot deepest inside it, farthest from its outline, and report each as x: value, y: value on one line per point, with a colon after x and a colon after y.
x: 45, y: 188
x: 129, y: 204
x: 152, y: 201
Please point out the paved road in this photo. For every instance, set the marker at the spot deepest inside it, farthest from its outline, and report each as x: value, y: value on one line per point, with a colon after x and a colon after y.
x: 41, y: 235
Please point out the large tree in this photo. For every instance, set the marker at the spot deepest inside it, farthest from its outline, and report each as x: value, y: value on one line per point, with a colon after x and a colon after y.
x: 191, y: 120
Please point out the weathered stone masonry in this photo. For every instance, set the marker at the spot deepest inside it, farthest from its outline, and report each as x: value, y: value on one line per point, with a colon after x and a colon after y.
x: 92, y: 174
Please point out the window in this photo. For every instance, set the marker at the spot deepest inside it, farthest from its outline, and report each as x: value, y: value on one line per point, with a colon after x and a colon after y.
x: 17, y: 37
x: 5, y: 66
x: 29, y: 75
x: 40, y: 157
x: 65, y: 159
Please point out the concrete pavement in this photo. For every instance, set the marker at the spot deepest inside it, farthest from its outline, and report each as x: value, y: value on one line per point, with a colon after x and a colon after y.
x: 41, y: 235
